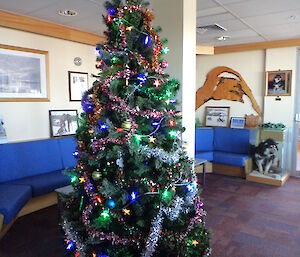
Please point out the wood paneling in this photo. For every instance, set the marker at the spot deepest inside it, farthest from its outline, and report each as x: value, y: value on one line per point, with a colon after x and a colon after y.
x: 204, y: 50
x: 15, y: 21
x: 257, y: 46
x: 229, y: 170
x: 38, y: 203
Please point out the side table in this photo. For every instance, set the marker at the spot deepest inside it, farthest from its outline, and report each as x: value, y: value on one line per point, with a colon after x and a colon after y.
x: 201, y: 162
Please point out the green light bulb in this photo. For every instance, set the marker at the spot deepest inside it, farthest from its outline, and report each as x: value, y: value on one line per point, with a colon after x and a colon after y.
x: 73, y: 179
x: 138, y: 138
x: 172, y: 133
x: 165, y: 50
x: 105, y: 214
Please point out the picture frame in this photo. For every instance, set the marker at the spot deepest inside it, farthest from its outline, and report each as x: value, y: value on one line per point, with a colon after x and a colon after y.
x: 63, y: 122
x: 237, y: 122
x: 24, y: 74
x: 217, y: 116
x: 278, y: 83
x: 78, y: 84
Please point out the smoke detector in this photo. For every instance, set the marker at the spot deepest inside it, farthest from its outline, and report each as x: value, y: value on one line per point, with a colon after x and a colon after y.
x: 223, y: 38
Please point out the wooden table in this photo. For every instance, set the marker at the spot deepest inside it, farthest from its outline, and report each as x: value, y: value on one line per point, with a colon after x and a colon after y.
x: 199, y: 162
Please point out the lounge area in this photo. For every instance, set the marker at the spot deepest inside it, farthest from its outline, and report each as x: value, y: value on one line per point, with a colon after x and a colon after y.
x: 169, y: 128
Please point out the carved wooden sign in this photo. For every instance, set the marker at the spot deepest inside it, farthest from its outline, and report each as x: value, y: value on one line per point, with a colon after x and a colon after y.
x: 219, y: 87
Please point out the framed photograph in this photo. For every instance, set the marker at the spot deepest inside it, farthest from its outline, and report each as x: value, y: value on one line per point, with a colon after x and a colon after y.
x: 23, y: 74
x: 216, y: 116
x: 278, y: 83
x: 78, y: 84
x: 63, y: 122
x: 237, y: 122
x: 3, y: 136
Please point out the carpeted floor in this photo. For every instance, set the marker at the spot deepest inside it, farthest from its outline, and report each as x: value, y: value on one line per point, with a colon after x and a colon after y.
x: 246, y: 220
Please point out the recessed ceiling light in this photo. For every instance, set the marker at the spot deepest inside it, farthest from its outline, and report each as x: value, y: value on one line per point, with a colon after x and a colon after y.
x: 223, y: 38
x: 67, y: 13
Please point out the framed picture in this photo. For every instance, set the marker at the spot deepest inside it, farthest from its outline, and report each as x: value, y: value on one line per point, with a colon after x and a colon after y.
x: 216, y: 116
x: 23, y: 74
x: 78, y: 84
x: 237, y: 122
x: 63, y: 122
x: 278, y: 83
x: 3, y: 136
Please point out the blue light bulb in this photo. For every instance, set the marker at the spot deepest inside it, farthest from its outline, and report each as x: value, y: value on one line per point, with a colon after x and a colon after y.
x: 147, y: 40
x: 103, y: 127
x: 155, y: 123
x: 111, y: 11
x: 142, y: 78
x: 76, y: 154
x: 133, y: 196
x: 70, y: 245
x: 190, y: 187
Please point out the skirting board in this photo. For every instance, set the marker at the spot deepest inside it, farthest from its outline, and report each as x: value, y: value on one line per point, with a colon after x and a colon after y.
x: 208, y: 168
x: 268, y: 181
x: 38, y: 203
x: 229, y: 170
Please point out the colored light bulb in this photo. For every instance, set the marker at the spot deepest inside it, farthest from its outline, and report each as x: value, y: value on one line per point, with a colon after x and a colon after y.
x: 142, y: 78
x: 111, y: 204
x: 138, y: 138
x: 190, y: 187
x: 165, y: 50
x: 76, y: 154
x: 133, y: 196
x: 173, y: 133
x: 108, y: 18
x: 105, y: 214
x: 103, y: 127
x: 73, y: 179
x: 165, y: 64
x: 70, y: 245
x: 147, y: 40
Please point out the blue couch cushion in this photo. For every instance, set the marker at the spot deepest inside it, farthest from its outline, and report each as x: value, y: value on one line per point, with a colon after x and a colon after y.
x: 12, y: 200
x: 67, y: 146
x: 204, y: 138
x: 232, y: 140
x: 44, y: 183
x: 19, y: 160
x: 204, y: 155
x: 230, y: 158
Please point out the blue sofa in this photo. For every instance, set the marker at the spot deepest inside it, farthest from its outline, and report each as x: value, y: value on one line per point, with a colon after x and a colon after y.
x: 228, y: 149
x: 30, y: 170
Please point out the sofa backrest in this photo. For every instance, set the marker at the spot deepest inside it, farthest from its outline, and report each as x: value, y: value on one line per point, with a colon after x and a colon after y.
x: 19, y: 160
x: 204, y: 138
x: 67, y: 146
x: 232, y: 140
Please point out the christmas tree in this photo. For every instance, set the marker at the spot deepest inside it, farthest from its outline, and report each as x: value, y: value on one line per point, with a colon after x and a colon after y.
x: 136, y: 193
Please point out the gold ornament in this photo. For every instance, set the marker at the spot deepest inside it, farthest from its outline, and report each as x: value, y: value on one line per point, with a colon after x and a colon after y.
x: 96, y: 175
x: 126, y: 125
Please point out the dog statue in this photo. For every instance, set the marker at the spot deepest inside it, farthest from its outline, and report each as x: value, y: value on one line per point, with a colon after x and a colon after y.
x: 264, y: 156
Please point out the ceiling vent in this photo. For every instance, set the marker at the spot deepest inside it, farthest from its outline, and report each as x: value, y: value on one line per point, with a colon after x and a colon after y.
x: 211, y: 28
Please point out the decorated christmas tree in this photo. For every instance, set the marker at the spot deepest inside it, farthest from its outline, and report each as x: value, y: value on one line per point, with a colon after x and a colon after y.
x: 135, y: 192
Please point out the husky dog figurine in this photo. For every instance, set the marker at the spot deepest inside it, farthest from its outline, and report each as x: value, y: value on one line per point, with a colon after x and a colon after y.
x: 264, y: 155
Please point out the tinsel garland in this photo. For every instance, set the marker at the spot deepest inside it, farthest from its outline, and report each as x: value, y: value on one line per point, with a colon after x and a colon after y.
x: 72, y: 235
x: 161, y: 154
x: 154, y: 235
x: 174, y: 211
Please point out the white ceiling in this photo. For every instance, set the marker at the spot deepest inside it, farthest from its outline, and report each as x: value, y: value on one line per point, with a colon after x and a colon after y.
x: 245, y: 20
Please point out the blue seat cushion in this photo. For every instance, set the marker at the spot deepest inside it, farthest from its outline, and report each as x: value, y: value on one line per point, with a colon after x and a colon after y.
x: 204, y: 138
x: 230, y: 158
x: 44, y: 183
x: 12, y: 200
x: 232, y: 140
x: 19, y: 160
x: 67, y: 146
x: 204, y: 155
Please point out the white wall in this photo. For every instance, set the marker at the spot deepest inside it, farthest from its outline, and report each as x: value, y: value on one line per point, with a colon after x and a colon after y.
x: 30, y: 120
x: 250, y: 65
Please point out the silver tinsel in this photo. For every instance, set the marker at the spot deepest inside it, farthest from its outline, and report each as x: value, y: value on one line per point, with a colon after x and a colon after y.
x: 162, y: 155
x: 175, y: 209
x: 154, y: 235
x: 73, y: 236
